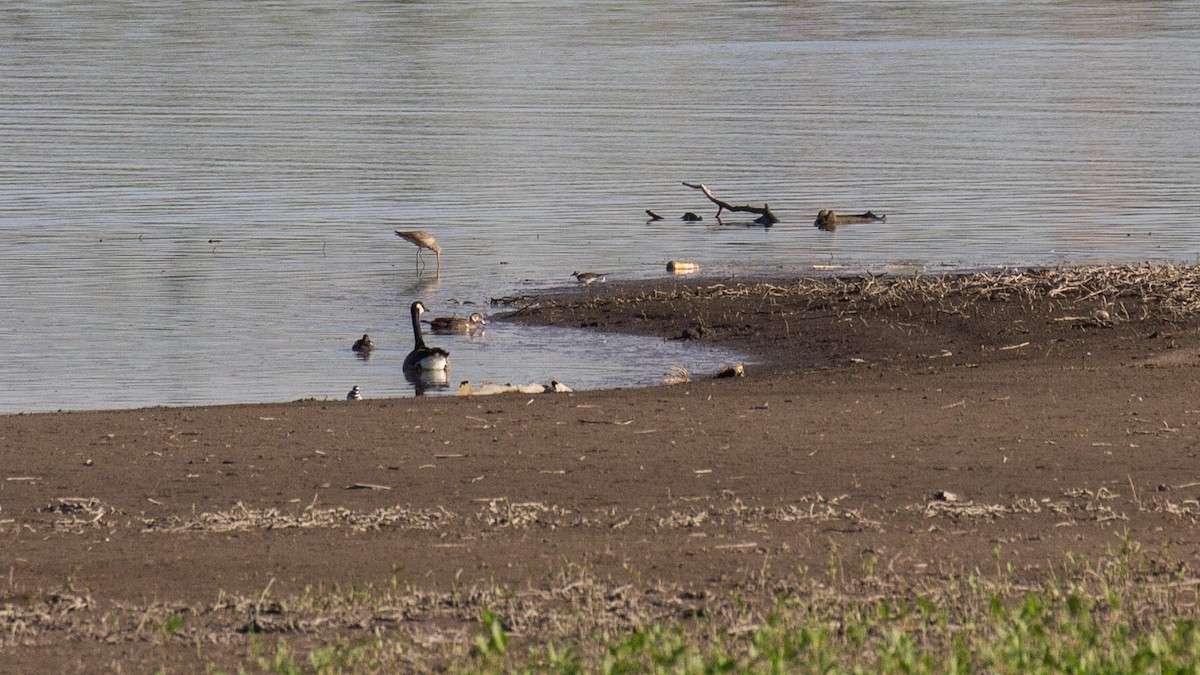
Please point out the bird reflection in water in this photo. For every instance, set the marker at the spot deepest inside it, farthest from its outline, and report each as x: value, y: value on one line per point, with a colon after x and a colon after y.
x: 425, y: 380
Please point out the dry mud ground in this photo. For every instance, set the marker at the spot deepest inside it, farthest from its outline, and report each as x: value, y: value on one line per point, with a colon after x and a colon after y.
x: 889, y: 434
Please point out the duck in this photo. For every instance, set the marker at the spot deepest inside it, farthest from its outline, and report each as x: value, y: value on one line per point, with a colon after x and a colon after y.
x: 423, y: 358
x: 828, y: 220
x: 363, y: 345
x: 444, y: 324
x: 588, y: 278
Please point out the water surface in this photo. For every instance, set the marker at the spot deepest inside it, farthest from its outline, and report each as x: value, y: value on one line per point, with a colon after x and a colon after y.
x: 197, y: 199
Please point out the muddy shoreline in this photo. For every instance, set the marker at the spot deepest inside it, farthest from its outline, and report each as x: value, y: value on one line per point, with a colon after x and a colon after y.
x: 922, y: 427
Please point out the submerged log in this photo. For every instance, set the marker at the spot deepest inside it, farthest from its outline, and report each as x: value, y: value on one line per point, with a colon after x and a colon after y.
x: 765, y: 217
x: 688, y: 217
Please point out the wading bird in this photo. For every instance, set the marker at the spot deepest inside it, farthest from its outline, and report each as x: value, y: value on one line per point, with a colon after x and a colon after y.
x: 422, y: 239
x: 587, y: 278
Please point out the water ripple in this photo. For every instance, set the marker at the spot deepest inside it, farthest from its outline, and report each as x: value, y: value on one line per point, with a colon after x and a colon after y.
x: 196, y: 199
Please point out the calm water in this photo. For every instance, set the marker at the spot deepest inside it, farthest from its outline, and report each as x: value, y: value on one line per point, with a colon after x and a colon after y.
x: 197, y: 199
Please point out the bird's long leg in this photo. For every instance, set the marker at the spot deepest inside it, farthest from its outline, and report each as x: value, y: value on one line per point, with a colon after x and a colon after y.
x: 418, y: 258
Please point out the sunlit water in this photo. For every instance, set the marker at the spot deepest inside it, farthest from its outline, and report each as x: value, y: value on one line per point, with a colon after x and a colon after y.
x: 197, y: 199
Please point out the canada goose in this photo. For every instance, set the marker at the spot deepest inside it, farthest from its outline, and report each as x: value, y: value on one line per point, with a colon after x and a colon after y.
x: 364, y: 344
x: 354, y: 395
x: 587, y: 278
x: 444, y: 324
x: 423, y: 358
x: 423, y: 239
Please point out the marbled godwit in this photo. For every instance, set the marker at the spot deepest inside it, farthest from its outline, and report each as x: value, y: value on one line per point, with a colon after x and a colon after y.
x: 457, y: 325
x: 423, y: 239
x: 423, y: 358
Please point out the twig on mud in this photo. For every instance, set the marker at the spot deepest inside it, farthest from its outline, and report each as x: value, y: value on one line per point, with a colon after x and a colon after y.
x: 677, y: 375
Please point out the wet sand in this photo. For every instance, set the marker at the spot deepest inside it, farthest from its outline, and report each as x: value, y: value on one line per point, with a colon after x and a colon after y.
x: 919, y: 427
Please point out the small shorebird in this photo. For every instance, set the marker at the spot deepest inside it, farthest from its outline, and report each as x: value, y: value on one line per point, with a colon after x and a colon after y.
x: 423, y: 358
x: 588, y: 278
x: 422, y: 239
x: 363, y: 345
x: 354, y: 395
x: 444, y: 324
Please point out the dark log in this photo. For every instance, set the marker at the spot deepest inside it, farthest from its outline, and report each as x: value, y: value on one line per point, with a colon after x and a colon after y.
x: 765, y: 217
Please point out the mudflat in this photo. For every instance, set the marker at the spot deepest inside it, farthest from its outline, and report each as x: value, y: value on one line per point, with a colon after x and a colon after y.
x: 910, y: 428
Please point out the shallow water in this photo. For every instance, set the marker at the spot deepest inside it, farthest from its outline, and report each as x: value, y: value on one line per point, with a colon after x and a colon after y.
x: 197, y: 199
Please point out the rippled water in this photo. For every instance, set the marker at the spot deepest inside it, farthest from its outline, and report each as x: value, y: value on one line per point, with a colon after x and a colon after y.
x: 197, y: 199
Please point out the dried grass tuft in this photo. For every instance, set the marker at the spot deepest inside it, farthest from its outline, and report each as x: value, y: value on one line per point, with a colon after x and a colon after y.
x: 1173, y: 290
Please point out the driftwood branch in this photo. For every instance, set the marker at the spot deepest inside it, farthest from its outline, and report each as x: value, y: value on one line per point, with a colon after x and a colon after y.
x: 765, y: 217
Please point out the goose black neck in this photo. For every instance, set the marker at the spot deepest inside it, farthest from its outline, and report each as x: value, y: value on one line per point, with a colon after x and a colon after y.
x: 416, y: 319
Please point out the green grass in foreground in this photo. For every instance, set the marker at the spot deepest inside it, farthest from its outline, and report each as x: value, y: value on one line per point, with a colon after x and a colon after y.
x: 1111, y: 617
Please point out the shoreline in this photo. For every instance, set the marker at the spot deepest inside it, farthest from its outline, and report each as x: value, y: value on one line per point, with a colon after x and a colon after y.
x: 926, y: 429
x: 562, y: 306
